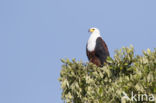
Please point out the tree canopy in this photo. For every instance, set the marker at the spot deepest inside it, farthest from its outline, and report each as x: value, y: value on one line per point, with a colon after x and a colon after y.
x: 126, y: 73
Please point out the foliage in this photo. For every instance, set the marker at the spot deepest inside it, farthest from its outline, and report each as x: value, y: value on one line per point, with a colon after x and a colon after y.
x: 87, y: 83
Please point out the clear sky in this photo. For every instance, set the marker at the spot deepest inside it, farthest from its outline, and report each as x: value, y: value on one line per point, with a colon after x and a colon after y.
x: 36, y: 34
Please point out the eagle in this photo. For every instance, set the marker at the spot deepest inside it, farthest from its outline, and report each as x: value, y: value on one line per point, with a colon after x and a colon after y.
x: 96, y: 48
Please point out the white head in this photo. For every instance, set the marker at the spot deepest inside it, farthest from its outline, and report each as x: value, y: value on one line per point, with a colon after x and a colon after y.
x: 95, y: 33
x: 94, y: 30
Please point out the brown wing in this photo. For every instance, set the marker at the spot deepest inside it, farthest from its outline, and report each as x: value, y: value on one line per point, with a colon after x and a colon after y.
x: 101, y: 50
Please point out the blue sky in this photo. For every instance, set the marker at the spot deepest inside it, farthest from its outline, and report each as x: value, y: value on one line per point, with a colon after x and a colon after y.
x: 36, y: 34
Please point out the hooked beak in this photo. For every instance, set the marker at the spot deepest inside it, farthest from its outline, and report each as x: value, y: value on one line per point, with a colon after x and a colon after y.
x: 91, y: 30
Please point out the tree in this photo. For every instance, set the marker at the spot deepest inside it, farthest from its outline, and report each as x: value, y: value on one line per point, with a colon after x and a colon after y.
x: 123, y: 75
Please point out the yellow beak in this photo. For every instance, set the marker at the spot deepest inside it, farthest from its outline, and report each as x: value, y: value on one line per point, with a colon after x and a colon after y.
x: 91, y: 30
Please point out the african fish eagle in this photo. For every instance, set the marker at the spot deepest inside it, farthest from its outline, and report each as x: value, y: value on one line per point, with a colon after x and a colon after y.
x: 96, y: 49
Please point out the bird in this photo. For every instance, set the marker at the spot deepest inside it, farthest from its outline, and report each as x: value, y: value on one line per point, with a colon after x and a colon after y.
x: 96, y: 48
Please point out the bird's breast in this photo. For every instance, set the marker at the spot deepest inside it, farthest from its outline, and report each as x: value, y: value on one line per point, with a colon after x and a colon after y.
x: 91, y: 46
